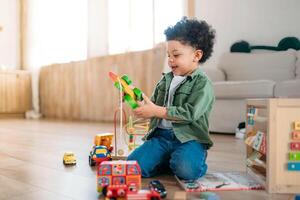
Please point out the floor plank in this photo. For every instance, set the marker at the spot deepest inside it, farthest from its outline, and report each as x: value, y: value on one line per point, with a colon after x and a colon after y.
x: 31, y: 162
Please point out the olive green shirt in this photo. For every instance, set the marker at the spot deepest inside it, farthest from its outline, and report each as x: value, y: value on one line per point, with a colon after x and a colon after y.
x: 190, y: 109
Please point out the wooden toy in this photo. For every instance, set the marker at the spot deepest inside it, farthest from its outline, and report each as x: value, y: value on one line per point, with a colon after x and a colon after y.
x: 118, y: 173
x: 131, y: 94
x: 294, y: 166
x: 294, y: 156
x: 297, y: 126
x: 295, y: 135
x: 295, y: 146
x: 69, y: 158
x: 274, y: 169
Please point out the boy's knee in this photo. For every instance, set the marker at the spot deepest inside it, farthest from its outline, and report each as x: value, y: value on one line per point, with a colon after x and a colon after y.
x: 188, y: 170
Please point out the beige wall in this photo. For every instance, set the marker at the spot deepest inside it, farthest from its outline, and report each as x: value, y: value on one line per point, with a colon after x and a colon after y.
x: 9, y: 36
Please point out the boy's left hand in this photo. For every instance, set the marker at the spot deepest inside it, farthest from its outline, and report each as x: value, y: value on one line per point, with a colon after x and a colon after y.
x: 145, y: 109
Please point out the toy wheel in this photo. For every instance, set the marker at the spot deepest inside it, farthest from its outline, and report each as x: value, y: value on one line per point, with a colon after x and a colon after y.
x: 126, y: 79
x: 104, y: 190
x: 154, y: 198
x: 64, y: 162
x: 138, y: 93
x: 131, y: 102
x: 91, y: 161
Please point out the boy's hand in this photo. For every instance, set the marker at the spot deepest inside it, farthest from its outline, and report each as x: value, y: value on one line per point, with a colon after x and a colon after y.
x: 146, y: 108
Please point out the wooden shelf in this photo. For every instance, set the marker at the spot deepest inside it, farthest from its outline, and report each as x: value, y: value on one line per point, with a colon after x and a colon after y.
x: 275, y: 118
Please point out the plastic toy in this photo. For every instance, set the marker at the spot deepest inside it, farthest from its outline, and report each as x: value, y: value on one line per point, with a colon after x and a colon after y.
x: 69, y: 158
x: 104, y: 139
x: 143, y: 195
x: 116, y: 191
x: 158, y: 187
x: 192, y: 185
x: 131, y: 94
x: 118, y: 173
x: 99, y: 154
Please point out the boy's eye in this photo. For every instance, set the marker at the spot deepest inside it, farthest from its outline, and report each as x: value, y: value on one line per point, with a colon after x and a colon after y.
x: 176, y: 55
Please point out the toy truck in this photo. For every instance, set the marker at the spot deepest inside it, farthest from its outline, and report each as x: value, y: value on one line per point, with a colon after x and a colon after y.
x: 101, y: 151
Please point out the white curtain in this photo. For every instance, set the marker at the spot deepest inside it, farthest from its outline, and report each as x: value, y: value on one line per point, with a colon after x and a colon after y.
x: 139, y: 24
x: 54, y: 31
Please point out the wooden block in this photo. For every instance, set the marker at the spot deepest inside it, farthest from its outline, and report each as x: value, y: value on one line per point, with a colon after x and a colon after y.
x: 294, y: 156
x: 294, y: 166
x: 296, y: 135
x: 295, y: 146
x: 297, y: 125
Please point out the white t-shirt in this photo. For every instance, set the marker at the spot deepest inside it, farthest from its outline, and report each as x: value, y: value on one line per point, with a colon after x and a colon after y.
x: 166, y: 124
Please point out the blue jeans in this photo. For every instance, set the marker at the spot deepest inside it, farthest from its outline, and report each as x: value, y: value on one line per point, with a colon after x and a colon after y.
x: 164, y: 151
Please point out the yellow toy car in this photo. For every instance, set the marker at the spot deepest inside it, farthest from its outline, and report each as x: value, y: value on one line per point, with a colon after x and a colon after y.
x: 69, y: 158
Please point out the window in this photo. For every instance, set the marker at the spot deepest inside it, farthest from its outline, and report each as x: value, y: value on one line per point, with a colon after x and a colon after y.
x: 136, y: 25
x: 56, y: 31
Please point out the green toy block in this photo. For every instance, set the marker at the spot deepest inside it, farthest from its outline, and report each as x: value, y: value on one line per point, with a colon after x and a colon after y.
x: 294, y: 156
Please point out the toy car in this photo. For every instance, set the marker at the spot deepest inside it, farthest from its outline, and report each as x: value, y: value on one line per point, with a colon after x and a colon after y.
x: 69, y: 158
x: 192, y: 185
x: 157, y: 186
x: 99, y: 154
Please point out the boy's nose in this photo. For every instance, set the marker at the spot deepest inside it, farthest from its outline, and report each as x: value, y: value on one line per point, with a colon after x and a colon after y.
x: 171, y: 60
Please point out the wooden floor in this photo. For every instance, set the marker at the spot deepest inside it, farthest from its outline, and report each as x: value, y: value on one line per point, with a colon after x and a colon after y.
x: 31, y: 162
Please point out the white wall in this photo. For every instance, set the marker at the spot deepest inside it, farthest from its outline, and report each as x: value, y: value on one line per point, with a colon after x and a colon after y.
x: 259, y: 22
x: 97, y: 28
x: 9, y: 36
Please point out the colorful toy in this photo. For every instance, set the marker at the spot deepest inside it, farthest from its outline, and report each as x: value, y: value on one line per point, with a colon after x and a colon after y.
x: 118, y: 173
x: 157, y: 186
x: 69, y: 158
x: 131, y: 94
x: 116, y: 191
x: 295, y: 146
x: 297, y: 126
x: 143, y: 195
x: 134, y: 129
x: 104, y: 139
x: 251, y: 114
x: 99, y: 154
x: 294, y: 156
x: 294, y: 166
x: 296, y: 135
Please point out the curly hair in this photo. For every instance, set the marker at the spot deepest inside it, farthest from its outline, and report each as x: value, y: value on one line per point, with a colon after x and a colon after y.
x: 195, y: 33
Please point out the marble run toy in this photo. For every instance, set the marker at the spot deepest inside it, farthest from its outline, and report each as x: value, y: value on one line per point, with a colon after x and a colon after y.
x: 131, y: 94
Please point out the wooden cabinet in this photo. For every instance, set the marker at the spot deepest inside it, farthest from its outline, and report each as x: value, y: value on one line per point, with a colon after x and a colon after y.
x: 15, y: 92
x: 274, y: 120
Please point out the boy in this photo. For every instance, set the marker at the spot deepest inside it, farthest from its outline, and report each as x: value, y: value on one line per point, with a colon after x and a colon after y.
x: 179, y: 107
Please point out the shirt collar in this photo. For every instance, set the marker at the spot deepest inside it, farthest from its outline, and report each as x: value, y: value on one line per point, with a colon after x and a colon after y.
x: 196, y: 72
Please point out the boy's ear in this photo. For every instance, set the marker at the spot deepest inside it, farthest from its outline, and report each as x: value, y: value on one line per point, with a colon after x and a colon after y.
x: 198, y: 55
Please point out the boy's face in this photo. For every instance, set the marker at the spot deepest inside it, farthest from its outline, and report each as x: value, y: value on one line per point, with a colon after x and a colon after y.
x: 182, y: 59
